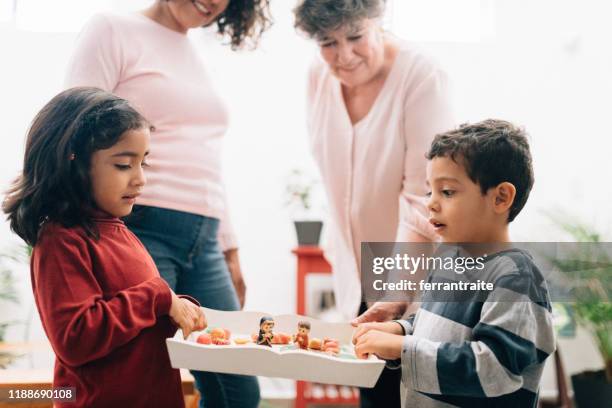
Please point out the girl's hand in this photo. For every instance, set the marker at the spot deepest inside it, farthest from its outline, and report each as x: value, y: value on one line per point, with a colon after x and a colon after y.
x: 384, y: 345
x: 186, y: 315
x: 387, y: 327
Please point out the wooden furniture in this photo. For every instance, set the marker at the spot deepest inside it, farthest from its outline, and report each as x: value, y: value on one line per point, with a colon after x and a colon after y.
x: 563, y: 399
x: 310, y: 260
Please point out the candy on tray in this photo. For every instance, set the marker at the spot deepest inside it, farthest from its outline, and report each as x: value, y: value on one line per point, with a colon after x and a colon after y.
x: 204, y: 338
x: 219, y: 336
x: 314, y: 344
x: 281, y: 338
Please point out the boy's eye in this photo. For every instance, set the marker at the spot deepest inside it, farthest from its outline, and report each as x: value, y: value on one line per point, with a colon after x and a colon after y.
x: 355, y: 37
x: 327, y: 44
x: 448, y: 193
x: 145, y: 164
x: 123, y: 166
x: 428, y: 194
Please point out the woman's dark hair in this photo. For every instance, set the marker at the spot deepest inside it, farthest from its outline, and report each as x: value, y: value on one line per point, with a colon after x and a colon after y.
x: 492, y: 152
x: 54, y: 185
x: 245, y: 19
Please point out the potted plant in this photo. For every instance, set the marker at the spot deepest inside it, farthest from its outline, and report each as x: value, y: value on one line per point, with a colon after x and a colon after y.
x: 299, y: 198
x: 592, y: 309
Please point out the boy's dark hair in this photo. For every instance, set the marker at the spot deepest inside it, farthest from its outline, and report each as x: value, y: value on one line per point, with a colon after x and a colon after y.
x: 492, y: 151
x: 55, y: 182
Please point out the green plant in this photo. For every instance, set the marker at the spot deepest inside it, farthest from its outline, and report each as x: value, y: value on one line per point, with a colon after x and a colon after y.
x: 299, y: 191
x: 8, y: 292
x: 590, y: 271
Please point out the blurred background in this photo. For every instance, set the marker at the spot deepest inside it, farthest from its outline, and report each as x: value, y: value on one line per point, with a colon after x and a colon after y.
x: 543, y: 64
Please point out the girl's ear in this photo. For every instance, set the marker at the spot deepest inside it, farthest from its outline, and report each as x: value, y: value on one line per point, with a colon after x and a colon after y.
x: 504, y: 195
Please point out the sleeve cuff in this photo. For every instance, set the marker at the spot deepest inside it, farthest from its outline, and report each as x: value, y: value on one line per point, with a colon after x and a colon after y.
x: 394, y: 364
x: 191, y: 299
x: 406, y: 326
x: 227, y: 241
x: 164, y: 296
x: 408, y: 360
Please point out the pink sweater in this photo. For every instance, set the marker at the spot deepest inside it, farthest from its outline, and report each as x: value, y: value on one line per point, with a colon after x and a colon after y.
x: 374, y: 171
x: 159, y: 71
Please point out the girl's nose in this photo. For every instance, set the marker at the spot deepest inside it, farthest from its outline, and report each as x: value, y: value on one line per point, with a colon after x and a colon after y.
x: 140, y: 179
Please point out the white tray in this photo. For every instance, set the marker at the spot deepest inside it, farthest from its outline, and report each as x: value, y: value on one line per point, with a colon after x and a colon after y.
x: 252, y: 359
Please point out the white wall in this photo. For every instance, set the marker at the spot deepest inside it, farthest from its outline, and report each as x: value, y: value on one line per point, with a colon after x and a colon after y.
x: 547, y: 67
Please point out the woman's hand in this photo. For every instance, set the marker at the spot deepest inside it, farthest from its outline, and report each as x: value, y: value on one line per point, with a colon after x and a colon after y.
x: 233, y: 264
x: 384, y: 345
x: 386, y: 327
x: 381, y: 312
x: 187, y: 315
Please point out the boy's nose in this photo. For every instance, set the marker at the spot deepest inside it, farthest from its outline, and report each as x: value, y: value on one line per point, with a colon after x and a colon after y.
x: 432, y: 205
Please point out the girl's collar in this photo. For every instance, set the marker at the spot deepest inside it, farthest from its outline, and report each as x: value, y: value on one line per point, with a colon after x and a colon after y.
x: 99, y: 215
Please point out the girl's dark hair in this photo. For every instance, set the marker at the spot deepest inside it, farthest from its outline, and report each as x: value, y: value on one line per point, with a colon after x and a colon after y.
x: 245, y: 19
x: 55, y: 183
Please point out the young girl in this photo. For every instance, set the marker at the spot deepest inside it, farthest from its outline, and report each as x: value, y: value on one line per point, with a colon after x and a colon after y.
x: 102, y: 303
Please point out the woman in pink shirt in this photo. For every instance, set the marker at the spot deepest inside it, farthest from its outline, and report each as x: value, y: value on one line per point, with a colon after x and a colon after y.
x: 374, y: 105
x: 182, y: 215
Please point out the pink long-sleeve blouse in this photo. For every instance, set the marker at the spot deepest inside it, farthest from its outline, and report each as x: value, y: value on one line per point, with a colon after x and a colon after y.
x: 374, y: 170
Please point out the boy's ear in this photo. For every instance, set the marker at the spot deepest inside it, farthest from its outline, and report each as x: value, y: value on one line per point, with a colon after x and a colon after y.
x: 504, y: 195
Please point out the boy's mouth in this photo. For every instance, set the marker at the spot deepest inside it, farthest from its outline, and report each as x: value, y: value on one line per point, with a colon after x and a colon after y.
x: 438, y: 226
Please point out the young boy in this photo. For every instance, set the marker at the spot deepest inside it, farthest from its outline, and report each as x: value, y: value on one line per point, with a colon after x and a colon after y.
x: 475, y: 353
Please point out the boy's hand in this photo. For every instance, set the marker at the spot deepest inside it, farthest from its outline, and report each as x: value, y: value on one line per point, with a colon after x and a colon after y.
x: 186, y: 315
x: 387, y: 327
x: 384, y: 345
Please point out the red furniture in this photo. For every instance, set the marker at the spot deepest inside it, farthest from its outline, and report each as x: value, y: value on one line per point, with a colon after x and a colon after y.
x: 310, y: 259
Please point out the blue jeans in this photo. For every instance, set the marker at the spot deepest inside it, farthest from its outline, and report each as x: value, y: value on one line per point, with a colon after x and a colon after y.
x: 185, y: 249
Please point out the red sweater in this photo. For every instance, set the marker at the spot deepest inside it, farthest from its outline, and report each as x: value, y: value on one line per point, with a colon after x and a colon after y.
x: 104, y: 308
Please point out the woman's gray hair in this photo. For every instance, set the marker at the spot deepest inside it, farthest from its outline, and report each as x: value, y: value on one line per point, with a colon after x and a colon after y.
x: 319, y: 17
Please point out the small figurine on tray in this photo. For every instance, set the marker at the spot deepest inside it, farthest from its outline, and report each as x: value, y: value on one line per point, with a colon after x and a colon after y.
x: 266, y: 324
x: 301, y: 338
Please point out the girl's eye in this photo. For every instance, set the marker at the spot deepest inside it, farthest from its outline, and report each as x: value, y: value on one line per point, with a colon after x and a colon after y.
x: 448, y: 193
x: 145, y: 164
x: 327, y: 44
x: 355, y: 37
x: 123, y: 166
x: 428, y: 194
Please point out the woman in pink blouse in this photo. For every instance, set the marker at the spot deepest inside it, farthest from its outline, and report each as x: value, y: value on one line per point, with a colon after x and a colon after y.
x: 374, y: 105
x: 182, y: 215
